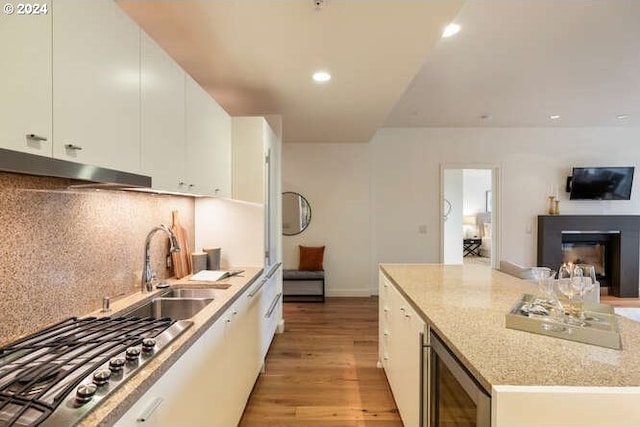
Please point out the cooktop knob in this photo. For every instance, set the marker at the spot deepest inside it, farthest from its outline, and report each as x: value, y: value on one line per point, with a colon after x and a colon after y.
x: 132, y: 353
x: 101, y: 377
x: 85, y: 392
x: 148, y: 344
x: 116, y: 364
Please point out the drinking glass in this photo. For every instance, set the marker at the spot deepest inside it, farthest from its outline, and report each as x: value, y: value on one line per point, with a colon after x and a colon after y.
x: 584, y: 280
x: 566, y: 286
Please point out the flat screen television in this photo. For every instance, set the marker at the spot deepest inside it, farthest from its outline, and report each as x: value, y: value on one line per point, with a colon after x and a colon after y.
x: 601, y: 183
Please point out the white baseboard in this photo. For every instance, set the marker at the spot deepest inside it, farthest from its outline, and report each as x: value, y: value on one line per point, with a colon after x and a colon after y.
x: 348, y: 292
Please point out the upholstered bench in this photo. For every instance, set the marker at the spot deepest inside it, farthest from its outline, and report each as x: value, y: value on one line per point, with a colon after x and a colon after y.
x: 303, y: 285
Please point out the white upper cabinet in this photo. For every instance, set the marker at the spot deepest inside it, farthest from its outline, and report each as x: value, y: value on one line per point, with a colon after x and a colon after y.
x: 251, y: 138
x: 96, y: 84
x: 163, y: 117
x: 25, y: 83
x: 208, y: 144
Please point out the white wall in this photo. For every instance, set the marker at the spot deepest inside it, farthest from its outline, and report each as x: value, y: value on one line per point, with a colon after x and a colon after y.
x: 335, y: 179
x: 475, y: 184
x: 235, y: 227
x: 533, y: 161
x: 367, y: 213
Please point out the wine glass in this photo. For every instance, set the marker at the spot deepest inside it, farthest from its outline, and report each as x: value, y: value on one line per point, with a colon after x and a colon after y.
x: 584, y: 280
x: 566, y: 286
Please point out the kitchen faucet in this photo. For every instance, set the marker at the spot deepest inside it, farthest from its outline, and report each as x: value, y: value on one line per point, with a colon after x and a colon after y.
x: 147, y: 274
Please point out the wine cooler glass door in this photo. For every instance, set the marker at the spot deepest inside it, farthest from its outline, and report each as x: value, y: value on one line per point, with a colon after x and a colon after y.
x: 456, y: 397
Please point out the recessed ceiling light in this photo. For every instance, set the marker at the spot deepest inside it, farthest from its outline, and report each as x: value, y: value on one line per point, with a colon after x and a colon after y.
x: 622, y: 116
x: 554, y: 117
x: 321, y: 76
x: 450, y: 30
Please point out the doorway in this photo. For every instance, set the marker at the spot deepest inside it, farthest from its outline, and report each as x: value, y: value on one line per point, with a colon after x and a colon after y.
x: 470, y: 221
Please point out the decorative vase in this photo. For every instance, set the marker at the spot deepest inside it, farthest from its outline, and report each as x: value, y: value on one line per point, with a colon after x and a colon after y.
x: 556, y: 208
x: 552, y: 205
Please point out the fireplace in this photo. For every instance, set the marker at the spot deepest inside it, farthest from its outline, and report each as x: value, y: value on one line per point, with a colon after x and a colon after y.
x: 599, y: 249
x: 609, y: 242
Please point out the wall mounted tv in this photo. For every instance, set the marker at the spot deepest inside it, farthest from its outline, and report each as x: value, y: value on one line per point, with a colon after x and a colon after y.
x: 601, y: 183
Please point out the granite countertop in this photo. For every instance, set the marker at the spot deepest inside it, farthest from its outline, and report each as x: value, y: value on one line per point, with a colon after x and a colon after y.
x: 466, y: 306
x: 112, y: 408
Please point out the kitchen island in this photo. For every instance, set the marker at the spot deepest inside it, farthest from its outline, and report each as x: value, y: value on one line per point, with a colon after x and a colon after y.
x: 533, y: 380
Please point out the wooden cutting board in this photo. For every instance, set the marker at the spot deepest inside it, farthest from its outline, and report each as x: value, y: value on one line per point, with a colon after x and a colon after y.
x: 181, y: 260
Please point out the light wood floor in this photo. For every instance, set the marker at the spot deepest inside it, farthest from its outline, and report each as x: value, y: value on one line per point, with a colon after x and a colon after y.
x: 322, y: 370
x: 620, y: 302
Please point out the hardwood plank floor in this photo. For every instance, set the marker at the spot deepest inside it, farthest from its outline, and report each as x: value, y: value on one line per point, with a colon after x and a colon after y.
x: 620, y: 302
x: 322, y: 370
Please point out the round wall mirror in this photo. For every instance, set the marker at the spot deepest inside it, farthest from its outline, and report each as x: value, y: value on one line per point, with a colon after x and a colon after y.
x: 296, y: 213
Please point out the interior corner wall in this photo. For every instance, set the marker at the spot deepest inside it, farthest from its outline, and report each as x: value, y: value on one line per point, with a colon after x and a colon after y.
x: 534, y: 162
x: 335, y: 179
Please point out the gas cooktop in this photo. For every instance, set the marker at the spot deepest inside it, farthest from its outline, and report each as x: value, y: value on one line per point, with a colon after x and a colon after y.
x: 56, y: 376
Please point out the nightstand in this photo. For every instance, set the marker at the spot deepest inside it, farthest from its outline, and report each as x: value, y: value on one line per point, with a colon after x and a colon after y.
x: 471, y: 247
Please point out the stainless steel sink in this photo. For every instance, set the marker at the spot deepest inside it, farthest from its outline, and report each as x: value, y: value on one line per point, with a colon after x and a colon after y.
x: 190, y: 293
x: 175, y: 308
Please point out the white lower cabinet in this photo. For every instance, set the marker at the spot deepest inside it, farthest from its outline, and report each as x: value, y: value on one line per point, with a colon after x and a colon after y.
x: 401, y: 350
x: 211, y: 382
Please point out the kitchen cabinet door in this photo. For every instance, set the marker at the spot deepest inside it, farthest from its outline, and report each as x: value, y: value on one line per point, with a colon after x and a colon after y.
x: 271, y: 306
x: 163, y: 117
x: 208, y: 144
x: 96, y: 85
x: 176, y: 399
x: 25, y: 86
x: 251, y: 137
x: 401, y: 345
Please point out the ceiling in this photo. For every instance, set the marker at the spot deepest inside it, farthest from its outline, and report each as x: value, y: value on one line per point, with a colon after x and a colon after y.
x: 518, y: 62
x: 514, y: 63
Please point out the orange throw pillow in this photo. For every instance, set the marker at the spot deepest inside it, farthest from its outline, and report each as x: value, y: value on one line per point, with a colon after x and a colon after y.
x: 311, y: 258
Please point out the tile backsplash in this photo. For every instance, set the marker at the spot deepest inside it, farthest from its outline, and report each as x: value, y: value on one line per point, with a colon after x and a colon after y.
x: 63, y: 250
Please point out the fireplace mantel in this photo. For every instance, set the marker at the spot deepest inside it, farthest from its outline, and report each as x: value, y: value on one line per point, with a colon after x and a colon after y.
x: 625, y: 282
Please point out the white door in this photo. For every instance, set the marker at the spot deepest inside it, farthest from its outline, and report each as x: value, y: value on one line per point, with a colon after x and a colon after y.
x: 452, y: 216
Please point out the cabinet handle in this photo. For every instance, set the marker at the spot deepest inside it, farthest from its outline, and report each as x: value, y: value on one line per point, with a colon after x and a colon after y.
x: 147, y: 412
x: 191, y: 185
x: 182, y: 184
x: 273, y: 305
x: 386, y: 309
x: 73, y: 147
x: 34, y: 137
x: 273, y: 270
x: 257, y: 289
x: 402, y: 308
x: 235, y: 312
x: 216, y: 191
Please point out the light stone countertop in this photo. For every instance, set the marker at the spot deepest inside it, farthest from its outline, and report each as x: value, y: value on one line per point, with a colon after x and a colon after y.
x: 466, y: 306
x: 111, y: 409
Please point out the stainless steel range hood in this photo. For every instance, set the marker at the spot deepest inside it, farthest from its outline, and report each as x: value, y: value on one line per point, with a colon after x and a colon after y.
x: 96, y: 177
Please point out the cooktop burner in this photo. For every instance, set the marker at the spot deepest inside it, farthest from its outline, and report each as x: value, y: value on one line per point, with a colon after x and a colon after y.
x: 55, y: 376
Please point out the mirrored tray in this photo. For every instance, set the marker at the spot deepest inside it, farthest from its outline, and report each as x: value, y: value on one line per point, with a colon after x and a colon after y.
x: 600, y: 326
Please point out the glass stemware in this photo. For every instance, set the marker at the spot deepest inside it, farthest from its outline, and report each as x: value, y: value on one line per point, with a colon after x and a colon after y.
x: 584, y: 280
x: 567, y: 288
